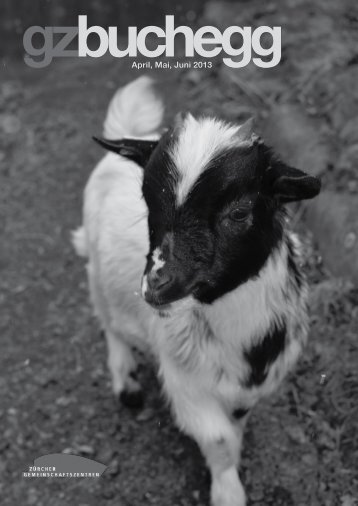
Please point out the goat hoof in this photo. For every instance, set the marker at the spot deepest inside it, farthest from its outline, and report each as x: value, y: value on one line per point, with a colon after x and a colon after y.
x: 132, y: 399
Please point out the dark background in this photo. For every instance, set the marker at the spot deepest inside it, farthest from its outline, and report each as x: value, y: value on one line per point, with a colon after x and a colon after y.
x: 301, y: 445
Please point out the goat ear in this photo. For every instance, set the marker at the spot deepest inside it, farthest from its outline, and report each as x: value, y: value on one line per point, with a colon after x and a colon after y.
x: 138, y: 150
x: 246, y: 133
x: 289, y: 185
x: 246, y: 130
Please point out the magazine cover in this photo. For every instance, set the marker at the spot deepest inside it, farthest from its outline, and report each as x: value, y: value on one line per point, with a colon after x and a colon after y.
x: 179, y: 253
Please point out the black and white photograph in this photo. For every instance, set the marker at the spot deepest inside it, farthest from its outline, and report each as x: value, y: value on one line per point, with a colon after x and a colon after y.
x: 179, y: 253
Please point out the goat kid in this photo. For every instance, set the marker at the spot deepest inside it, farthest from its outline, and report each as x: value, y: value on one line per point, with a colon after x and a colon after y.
x: 223, y: 306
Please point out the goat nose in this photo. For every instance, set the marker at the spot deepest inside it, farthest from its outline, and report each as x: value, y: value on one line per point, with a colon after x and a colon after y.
x: 157, y: 280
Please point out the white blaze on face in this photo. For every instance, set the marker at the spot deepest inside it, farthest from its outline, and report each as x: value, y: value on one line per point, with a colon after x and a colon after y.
x: 144, y: 285
x: 158, y: 263
x: 198, y: 142
x: 157, y: 257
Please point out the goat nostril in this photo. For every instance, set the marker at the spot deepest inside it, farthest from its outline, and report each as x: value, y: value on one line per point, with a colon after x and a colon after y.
x: 157, y: 281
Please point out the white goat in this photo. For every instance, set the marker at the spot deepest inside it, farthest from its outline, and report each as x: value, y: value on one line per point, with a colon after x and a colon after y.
x: 209, y: 243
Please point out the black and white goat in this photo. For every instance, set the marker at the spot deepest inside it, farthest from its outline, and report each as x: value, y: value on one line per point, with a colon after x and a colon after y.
x: 209, y: 246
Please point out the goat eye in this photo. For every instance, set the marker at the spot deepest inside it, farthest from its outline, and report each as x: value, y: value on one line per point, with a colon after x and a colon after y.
x: 238, y: 214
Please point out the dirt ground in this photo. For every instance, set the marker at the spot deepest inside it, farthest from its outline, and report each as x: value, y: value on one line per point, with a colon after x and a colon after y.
x: 301, y: 446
